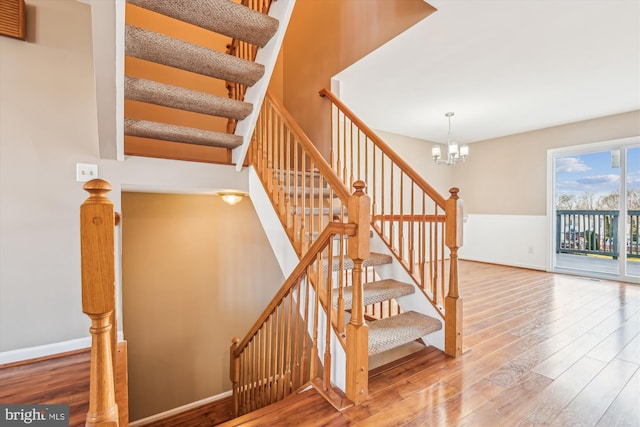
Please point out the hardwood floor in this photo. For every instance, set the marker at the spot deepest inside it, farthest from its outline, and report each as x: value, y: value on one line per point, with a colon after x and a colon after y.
x: 542, y: 349
x: 61, y: 379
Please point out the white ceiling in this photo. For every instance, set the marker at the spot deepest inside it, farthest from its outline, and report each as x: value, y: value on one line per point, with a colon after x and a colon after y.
x: 503, y: 66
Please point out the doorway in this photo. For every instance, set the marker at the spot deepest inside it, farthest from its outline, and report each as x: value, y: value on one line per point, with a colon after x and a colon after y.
x: 595, y: 208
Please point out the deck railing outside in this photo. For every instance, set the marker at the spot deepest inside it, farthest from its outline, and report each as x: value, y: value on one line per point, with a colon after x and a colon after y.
x: 595, y: 232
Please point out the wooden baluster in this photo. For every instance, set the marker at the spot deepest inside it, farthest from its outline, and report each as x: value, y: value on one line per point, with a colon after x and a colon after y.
x: 401, y: 220
x: 328, y: 326
x: 453, y: 302
x: 296, y: 337
x: 304, y: 226
x: 360, y: 177
x: 264, y: 143
x: 281, y: 170
x: 97, y: 220
x: 258, y: 368
x: 270, y: 145
x: 287, y: 371
x: 273, y: 396
x: 263, y: 365
x: 312, y: 221
x: 281, y: 350
x: 234, y: 373
x: 304, y: 363
x: 296, y: 203
x: 357, y: 330
x: 253, y: 371
x: 341, y: 285
x: 316, y: 306
x: 332, y: 154
x: 351, y: 167
x: 290, y: 190
x: 344, y: 149
x: 392, y: 201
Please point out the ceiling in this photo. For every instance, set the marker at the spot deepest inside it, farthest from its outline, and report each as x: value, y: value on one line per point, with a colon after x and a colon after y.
x: 503, y: 66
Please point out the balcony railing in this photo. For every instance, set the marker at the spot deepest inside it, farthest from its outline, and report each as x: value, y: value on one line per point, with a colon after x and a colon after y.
x: 595, y: 232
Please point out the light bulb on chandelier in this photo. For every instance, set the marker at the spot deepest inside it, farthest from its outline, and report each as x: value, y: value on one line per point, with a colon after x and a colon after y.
x: 455, y: 153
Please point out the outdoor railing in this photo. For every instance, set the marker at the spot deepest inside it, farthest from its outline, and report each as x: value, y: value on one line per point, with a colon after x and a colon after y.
x: 595, y: 232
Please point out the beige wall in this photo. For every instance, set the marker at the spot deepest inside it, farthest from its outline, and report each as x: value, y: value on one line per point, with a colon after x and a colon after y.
x: 47, y: 124
x: 417, y: 153
x: 196, y: 273
x: 326, y: 36
x: 508, y: 175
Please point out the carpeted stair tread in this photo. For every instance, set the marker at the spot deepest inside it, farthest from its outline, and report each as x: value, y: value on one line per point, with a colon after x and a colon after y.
x: 391, y: 332
x: 165, y: 50
x: 184, y: 99
x: 240, y: 22
x: 375, y: 292
x: 166, y: 132
x: 374, y: 259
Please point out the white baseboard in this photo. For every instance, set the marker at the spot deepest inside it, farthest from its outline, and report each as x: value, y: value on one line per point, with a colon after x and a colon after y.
x: 157, y: 417
x: 21, y: 354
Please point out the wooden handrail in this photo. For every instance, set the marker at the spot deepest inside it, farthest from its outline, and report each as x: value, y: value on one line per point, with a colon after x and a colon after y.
x: 323, y: 167
x: 320, y: 243
x: 97, y: 250
x: 408, y: 170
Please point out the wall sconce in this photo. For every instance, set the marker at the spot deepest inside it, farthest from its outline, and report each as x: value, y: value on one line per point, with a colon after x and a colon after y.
x: 231, y: 197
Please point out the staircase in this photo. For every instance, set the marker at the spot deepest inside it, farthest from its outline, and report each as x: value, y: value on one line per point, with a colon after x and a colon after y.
x: 374, y: 301
x: 389, y: 327
x: 192, y: 79
x: 341, y: 303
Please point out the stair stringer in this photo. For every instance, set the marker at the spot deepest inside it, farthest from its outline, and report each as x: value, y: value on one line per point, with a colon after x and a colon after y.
x: 267, y: 56
x: 287, y: 260
x: 416, y: 301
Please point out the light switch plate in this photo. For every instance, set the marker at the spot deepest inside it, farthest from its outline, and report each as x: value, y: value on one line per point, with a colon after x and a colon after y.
x: 86, y: 172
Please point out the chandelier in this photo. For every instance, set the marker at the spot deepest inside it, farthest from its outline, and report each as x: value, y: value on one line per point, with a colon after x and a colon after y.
x: 454, y: 153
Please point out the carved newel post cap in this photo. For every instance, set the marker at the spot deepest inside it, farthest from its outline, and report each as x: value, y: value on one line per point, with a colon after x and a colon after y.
x: 454, y: 192
x: 98, y: 188
x: 359, y: 186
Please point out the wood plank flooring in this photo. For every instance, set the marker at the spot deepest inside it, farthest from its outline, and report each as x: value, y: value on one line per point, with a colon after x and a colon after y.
x: 62, y: 379
x: 543, y: 350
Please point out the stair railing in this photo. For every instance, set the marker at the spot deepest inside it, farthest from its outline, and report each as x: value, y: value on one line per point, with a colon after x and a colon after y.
x: 244, y: 50
x: 290, y: 346
x: 420, y: 227
x: 305, y: 191
x: 97, y: 221
x: 310, y: 201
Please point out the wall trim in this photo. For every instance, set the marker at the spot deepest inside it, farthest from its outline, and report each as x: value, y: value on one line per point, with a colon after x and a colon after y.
x: 21, y: 354
x: 184, y: 408
x: 513, y: 240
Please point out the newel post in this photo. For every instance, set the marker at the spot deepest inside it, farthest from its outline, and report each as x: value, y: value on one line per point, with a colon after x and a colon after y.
x: 97, y: 221
x: 357, y: 381
x: 453, y: 302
